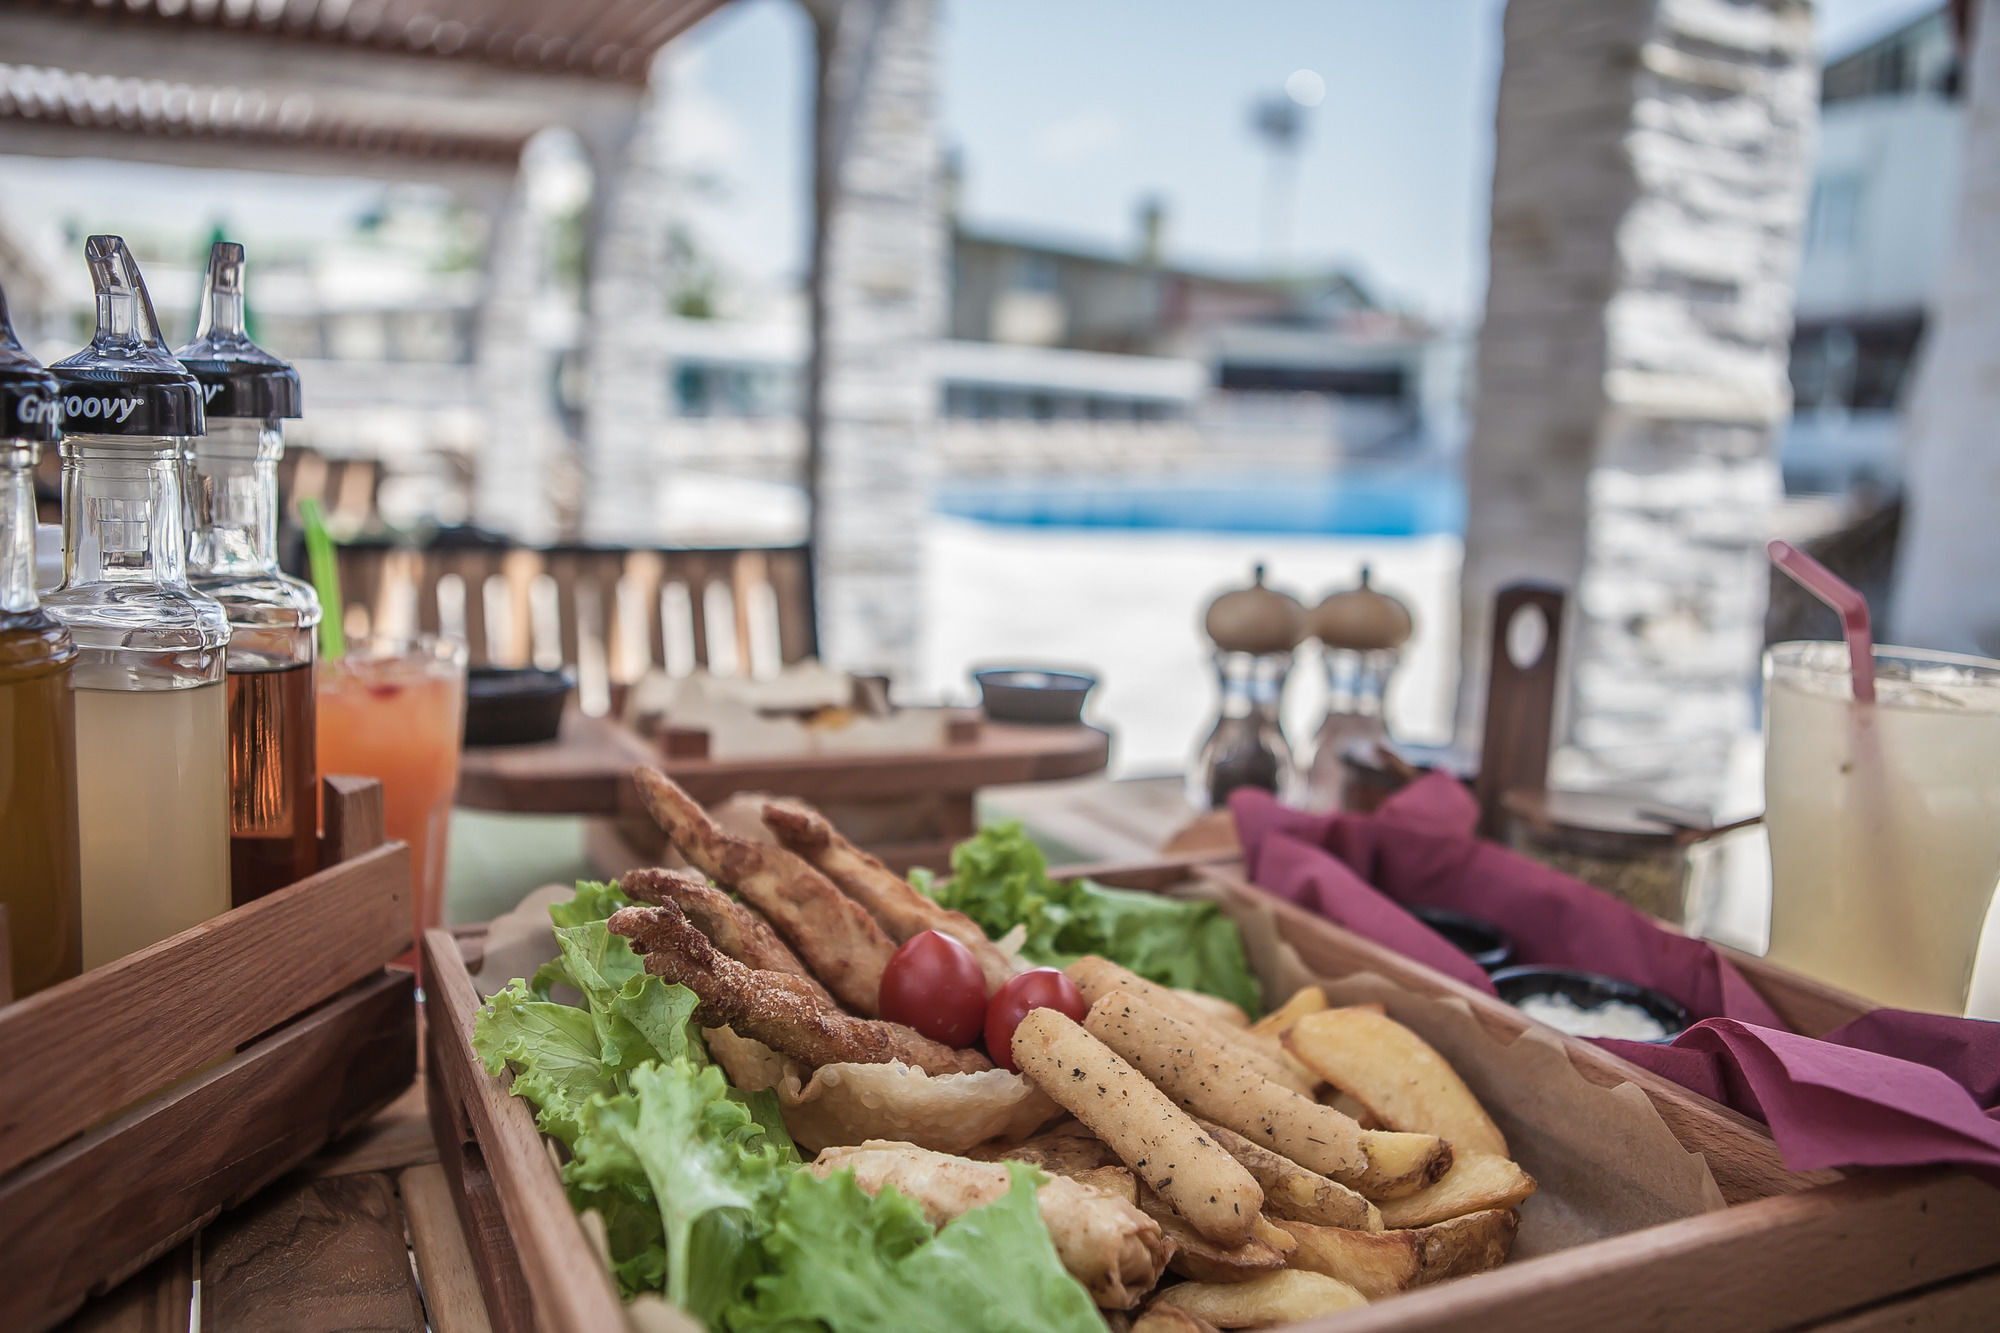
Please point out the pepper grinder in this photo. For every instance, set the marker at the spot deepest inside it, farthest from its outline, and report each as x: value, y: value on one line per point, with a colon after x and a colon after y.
x: 1254, y: 630
x: 1361, y: 633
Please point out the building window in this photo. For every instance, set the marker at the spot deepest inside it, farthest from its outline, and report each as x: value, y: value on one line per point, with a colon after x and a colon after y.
x: 1834, y: 219
x: 1034, y: 273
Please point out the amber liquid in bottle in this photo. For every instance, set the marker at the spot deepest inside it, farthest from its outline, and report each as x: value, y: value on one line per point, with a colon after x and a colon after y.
x: 273, y: 802
x: 39, y: 880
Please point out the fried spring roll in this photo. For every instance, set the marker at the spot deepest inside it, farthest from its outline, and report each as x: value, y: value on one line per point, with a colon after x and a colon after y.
x: 835, y: 935
x: 733, y: 928
x: 890, y: 898
x: 774, y: 1007
x: 1165, y: 1149
x: 1107, y: 1244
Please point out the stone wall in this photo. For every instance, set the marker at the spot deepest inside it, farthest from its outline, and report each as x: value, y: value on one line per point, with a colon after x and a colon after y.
x: 879, y: 297
x: 1651, y: 163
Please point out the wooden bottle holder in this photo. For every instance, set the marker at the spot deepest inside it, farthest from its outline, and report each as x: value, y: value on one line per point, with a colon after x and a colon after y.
x: 148, y: 1095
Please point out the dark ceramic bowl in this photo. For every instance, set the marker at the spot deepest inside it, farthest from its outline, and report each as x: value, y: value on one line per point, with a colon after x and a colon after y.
x: 1488, y: 945
x: 514, y: 705
x: 1026, y: 694
x: 1588, y: 990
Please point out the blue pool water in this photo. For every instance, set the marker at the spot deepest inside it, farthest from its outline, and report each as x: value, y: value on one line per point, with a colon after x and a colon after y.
x: 1354, y: 503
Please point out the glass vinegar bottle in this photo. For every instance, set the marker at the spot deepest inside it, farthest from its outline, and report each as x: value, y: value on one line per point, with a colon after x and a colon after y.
x: 151, y: 742
x: 38, y: 848
x: 231, y: 482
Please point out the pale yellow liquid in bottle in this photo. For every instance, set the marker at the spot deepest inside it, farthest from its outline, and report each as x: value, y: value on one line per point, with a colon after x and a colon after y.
x: 152, y: 770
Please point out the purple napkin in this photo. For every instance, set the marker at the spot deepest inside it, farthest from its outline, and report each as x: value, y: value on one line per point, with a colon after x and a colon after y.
x: 1419, y: 850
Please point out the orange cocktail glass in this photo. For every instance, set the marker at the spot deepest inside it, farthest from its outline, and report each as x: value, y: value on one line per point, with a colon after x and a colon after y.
x: 394, y: 709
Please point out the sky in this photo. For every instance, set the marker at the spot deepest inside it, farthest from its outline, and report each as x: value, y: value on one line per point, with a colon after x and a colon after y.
x: 1063, y: 114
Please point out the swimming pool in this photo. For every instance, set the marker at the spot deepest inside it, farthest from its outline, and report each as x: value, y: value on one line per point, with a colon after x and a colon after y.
x: 1370, y: 502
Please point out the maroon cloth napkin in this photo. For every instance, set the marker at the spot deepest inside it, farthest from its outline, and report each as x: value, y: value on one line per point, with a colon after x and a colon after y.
x: 1847, y: 1100
x: 1419, y: 850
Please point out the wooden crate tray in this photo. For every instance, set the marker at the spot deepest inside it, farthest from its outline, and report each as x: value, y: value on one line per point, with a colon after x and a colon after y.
x: 148, y: 1095
x: 1790, y: 1251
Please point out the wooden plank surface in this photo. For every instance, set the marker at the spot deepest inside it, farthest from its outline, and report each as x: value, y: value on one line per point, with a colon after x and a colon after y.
x: 450, y: 1284
x: 586, y: 771
x: 508, y: 1304
x: 572, y: 1292
x: 398, y: 1136
x: 316, y: 1255
x: 99, y: 1208
x: 159, y: 1014
x: 1969, y: 1305
x: 153, y: 1300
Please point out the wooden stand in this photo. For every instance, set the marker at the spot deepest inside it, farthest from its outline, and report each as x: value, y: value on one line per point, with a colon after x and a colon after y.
x: 148, y: 1095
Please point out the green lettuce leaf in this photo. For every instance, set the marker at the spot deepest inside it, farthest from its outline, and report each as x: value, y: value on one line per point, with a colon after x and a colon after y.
x: 846, y: 1262
x: 1001, y: 879
x: 554, y: 1050
x: 593, y: 902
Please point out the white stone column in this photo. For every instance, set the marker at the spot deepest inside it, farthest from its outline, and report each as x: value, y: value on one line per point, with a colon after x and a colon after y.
x: 1650, y: 170
x: 1947, y: 595
x: 625, y: 393
x: 511, y: 476
x: 878, y: 303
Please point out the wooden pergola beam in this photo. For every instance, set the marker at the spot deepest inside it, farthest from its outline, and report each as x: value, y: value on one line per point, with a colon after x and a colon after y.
x: 63, y: 140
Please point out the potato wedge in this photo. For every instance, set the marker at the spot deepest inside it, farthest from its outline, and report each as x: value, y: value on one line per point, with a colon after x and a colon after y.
x: 1097, y: 977
x: 1164, y: 1148
x: 1400, y: 1163
x: 1292, y: 1193
x: 1195, y: 1256
x: 1395, y: 1074
x: 1476, y: 1182
x: 1382, y: 1263
x: 1114, y: 1180
x: 1352, y: 1109
x: 1168, y: 1319
x: 1057, y: 1154
x: 1305, y: 1000
x: 1289, y: 1296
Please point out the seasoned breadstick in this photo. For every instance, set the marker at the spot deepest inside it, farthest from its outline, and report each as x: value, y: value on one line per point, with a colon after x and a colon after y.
x: 1167, y: 1150
x: 774, y: 1007
x: 890, y: 898
x: 1208, y: 1077
x: 1292, y: 1193
x: 1097, y: 977
x: 834, y: 934
x: 733, y: 928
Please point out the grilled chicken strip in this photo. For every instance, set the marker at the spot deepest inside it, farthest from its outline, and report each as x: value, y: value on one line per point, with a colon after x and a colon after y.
x: 835, y: 935
x: 890, y: 898
x: 733, y: 928
x: 776, y: 1008
x: 1106, y: 1243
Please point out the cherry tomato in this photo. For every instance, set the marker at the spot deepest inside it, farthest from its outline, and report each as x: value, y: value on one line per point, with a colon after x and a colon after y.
x: 1042, y: 988
x: 934, y: 985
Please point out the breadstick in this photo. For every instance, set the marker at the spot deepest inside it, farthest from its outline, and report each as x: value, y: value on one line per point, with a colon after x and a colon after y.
x: 1164, y: 1148
x: 1097, y: 977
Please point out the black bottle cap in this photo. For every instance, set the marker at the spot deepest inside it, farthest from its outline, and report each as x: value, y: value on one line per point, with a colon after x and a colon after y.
x: 126, y: 382
x: 238, y: 378
x: 30, y: 402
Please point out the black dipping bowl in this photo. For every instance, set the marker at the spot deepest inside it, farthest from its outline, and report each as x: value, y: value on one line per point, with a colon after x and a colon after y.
x: 514, y: 705
x: 1025, y: 694
x: 1589, y: 990
x: 1489, y: 946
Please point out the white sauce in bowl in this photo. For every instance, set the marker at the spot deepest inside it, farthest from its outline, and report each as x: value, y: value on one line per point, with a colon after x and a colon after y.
x: 1612, y: 1018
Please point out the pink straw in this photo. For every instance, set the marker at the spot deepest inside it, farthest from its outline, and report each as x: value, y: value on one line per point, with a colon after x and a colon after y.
x: 1846, y: 600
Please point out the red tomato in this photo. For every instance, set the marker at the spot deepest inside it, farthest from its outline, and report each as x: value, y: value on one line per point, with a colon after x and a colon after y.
x: 934, y: 985
x: 1042, y: 988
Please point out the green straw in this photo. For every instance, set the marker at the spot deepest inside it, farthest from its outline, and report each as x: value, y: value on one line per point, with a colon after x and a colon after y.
x: 326, y: 581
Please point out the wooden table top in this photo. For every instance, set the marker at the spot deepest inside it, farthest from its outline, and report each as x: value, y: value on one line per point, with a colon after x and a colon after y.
x: 585, y: 770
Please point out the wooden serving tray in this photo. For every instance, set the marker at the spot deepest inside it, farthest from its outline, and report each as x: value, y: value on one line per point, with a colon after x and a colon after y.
x: 1791, y: 1251
x: 146, y: 1096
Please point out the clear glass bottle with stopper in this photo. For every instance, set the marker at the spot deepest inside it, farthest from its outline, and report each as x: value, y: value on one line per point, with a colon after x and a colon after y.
x: 1254, y: 630
x: 1361, y: 633
x: 231, y: 483
x: 38, y: 848
x: 151, y: 743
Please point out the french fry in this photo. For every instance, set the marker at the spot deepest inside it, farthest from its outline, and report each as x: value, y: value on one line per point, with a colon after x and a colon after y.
x: 1305, y: 1000
x: 1395, y: 1074
x: 1293, y: 1193
x: 1476, y: 1182
x: 1211, y: 1080
x: 1167, y: 1319
x: 1164, y: 1148
x: 1288, y: 1296
x: 1195, y: 1256
x: 1097, y: 977
x: 1382, y: 1263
